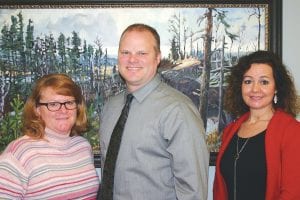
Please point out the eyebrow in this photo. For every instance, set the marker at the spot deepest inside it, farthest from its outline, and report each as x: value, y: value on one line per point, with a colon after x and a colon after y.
x: 51, y: 101
x: 247, y: 76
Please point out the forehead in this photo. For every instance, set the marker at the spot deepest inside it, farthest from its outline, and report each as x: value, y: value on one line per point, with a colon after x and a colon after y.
x: 48, y: 91
x: 259, y: 69
x: 50, y: 94
x: 137, y: 36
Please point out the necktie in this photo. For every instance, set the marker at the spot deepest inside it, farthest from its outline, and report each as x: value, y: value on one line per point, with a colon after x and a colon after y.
x: 106, y: 189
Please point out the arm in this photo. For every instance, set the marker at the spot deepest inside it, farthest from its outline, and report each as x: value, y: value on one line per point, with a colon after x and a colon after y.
x: 290, y: 162
x: 13, y: 177
x: 183, y: 128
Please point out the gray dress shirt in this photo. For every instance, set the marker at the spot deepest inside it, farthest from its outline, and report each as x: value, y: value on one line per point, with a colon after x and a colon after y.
x: 163, y: 154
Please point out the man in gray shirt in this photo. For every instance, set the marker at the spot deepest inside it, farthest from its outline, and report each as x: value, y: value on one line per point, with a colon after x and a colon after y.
x: 163, y: 154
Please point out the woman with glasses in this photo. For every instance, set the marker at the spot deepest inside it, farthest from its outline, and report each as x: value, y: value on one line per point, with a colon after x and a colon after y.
x: 51, y: 160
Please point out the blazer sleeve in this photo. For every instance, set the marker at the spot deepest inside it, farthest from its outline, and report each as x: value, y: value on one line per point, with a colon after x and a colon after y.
x: 290, y: 162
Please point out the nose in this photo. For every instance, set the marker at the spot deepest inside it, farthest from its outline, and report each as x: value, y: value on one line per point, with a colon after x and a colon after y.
x: 63, y: 108
x: 256, y: 87
x: 132, y: 58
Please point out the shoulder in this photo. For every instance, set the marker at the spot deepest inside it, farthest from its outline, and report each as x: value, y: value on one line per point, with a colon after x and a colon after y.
x: 82, y: 144
x: 283, y: 119
x: 115, y: 99
x: 283, y: 127
x: 233, y: 127
x: 173, y: 96
x: 113, y: 102
x: 21, y: 149
x: 80, y: 140
x: 17, y: 146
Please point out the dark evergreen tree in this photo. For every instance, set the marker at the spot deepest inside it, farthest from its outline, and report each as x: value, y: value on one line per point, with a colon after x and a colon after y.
x: 29, y: 44
x: 61, y: 48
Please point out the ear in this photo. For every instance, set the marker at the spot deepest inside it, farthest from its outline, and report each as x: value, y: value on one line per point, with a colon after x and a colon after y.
x: 158, y: 58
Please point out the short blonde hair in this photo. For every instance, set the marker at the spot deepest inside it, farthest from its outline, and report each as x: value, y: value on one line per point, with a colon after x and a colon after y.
x: 142, y: 28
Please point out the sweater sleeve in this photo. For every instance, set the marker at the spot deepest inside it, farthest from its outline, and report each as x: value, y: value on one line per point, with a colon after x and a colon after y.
x: 13, y: 177
x: 290, y: 162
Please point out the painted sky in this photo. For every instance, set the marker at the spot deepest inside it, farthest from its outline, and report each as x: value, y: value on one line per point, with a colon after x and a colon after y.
x: 108, y: 23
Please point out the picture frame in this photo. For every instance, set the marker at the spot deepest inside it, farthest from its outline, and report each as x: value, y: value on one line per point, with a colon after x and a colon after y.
x: 272, y: 35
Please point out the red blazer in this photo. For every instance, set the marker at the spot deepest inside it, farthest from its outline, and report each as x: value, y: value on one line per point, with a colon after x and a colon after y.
x: 282, y: 146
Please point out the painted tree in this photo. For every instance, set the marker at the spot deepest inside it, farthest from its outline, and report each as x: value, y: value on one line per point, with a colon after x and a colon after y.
x: 256, y: 12
x: 214, y: 19
x: 61, y: 50
x: 20, y: 42
x: 51, y: 61
x: 13, y: 32
x: 5, y: 44
x: 40, y: 66
x: 98, y: 56
x: 90, y: 57
x: 74, y: 53
x: 4, y: 90
x: 175, y: 30
x: 29, y: 44
x: 174, y: 50
x: 205, y: 76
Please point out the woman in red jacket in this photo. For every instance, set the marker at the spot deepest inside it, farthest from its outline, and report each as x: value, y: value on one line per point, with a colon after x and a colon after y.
x: 259, y: 156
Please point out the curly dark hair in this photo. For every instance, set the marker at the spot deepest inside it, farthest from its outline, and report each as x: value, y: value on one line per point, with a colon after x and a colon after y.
x: 286, y: 92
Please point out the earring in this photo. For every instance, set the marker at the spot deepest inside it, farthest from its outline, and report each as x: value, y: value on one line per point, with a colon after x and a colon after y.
x: 275, y: 99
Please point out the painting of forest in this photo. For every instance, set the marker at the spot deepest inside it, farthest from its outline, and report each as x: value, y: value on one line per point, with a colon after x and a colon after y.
x: 198, y: 44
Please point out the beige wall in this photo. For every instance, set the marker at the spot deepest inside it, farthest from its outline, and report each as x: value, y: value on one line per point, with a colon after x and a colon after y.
x: 291, y: 38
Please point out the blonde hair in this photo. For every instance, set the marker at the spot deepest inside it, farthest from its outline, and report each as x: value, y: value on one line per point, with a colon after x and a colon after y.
x: 146, y: 28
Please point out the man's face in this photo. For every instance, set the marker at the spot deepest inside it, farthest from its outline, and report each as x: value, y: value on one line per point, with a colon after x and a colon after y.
x: 137, y: 59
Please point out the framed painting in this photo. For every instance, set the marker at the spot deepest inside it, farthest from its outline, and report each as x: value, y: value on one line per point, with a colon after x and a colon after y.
x: 200, y: 41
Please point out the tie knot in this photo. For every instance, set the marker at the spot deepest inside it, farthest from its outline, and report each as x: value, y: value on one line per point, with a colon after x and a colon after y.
x: 129, y: 98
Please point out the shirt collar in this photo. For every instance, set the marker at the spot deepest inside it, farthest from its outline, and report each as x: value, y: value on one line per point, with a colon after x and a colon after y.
x: 143, y: 92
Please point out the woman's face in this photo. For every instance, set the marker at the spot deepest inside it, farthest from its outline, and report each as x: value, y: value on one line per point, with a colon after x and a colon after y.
x: 258, y: 87
x: 62, y: 120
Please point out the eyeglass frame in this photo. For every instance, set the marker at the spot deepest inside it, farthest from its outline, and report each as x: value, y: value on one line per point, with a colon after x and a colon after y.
x: 60, y: 105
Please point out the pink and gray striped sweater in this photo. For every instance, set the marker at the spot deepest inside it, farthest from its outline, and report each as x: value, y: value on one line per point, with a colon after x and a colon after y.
x: 58, y: 167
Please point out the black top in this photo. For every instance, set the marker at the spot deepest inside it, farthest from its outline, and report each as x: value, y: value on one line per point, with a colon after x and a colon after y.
x: 250, y: 168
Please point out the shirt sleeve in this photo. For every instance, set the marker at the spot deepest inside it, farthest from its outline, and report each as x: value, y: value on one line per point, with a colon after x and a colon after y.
x: 13, y: 177
x: 184, y: 131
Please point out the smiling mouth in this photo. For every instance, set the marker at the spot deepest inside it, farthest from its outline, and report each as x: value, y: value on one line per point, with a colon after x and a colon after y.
x: 133, y: 68
x: 62, y: 118
x: 256, y: 98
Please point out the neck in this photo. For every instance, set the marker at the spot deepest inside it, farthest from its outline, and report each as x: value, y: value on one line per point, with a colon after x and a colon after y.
x: 261, y: 115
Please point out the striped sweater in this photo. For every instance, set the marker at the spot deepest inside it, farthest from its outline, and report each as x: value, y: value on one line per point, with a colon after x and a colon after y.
x: 58, y: 167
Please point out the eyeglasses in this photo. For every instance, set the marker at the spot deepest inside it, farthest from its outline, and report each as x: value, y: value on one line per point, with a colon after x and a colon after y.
x: 55, y: 106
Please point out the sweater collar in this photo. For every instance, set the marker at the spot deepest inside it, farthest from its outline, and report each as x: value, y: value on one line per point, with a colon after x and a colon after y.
x: 56, y: 138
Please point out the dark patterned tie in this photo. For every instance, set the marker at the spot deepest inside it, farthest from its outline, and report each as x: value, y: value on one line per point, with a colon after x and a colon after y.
x: 105, y: 191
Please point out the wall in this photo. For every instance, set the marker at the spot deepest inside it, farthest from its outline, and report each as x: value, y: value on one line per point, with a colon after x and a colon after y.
x: 290, y: 38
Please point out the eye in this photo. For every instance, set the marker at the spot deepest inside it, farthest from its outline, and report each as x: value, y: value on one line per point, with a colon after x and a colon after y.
x: 53, y: 104
x: 124, y: 52
x: 70, y: 103
x: 141, y: 53
x: 247, y: 82
x: 264, y: 82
